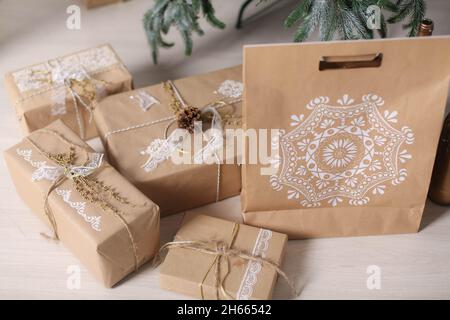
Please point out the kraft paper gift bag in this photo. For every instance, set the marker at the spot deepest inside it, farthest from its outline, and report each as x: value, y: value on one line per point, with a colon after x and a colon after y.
x: 105, y: 221
x: 65, y: 88
x: 136, y: 129
x: 359, y: 124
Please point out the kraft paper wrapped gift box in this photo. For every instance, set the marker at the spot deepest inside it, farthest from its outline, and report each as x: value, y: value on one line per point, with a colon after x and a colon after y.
x: 131, y: 123
x: 359, y: 124
x: 65, y: 87
x: 112, y: 235
x: 192, y: 273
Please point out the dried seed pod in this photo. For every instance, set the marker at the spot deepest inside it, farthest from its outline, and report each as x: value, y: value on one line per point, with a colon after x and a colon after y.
x: 186, y: 118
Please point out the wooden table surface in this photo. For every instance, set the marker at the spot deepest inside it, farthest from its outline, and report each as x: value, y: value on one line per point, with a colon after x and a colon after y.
x: 411, y: 266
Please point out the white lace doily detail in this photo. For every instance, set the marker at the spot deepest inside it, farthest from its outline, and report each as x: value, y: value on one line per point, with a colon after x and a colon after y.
x: 43, y: 171
x: 231, y: 89
x: 51, y: 173
x: 80, y: 208
x: 250, y: 277
x: 91, y: 61
x: 144, y: 100
x: 159, y: 150
x: 342, y: 152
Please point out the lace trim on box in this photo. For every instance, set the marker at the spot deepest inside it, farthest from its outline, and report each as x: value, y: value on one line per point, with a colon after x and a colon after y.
x: 91, y: 61
x: 253, y: 267
x: 43, y: 171
x: 80, y: 207
x: 51, y: 173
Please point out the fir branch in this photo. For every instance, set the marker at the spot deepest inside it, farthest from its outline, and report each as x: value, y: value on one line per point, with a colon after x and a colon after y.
x: 349, y: 18
x: 209, y: 13
x: 181, y: 14
x: 298, y: 13
x: 309, y: 22
x: 412, y: 9
x: 383, y: 27
x: 327, y: 28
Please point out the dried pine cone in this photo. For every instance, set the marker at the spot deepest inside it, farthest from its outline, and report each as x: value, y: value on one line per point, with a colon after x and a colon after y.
x: 186, y: 118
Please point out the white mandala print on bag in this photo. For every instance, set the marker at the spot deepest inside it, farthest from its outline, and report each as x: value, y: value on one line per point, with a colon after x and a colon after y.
x: 341, y: 154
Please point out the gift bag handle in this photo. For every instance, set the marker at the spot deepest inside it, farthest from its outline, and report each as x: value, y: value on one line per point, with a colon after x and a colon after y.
x: 350, y: 62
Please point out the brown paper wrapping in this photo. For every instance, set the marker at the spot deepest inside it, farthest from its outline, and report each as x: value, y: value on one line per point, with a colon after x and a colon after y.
x: 174, y: 187
x: 97, y: 3
x: 33, y: 106
x: 107, y: 253
x: 281, y: 82
x: 183, y: 269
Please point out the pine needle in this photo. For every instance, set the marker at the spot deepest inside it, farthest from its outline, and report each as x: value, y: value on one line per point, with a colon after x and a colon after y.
x: 344, y: 19
x: 181, y: 14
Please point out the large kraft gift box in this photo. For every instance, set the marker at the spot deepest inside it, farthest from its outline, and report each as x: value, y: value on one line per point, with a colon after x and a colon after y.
x: 359, y: 121
x: 65, y: 87
x: 193, y: 273
x: 111, y: 236
x: 130, y: 124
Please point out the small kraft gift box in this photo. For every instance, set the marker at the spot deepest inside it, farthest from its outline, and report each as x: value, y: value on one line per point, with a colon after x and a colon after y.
x: 106, y: 222
x: 65, y: 88
x: 139, y: 130
x: 211, y: 258
x: 355, y: 125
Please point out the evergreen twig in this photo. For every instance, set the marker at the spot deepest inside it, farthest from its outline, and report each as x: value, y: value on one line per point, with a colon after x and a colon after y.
x: 412, y: 9
x: 345, y: 18
x: 184, y: 15
x: 342, y: 19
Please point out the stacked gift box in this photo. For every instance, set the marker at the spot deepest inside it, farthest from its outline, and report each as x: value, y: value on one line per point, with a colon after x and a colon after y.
x: 339, y: 164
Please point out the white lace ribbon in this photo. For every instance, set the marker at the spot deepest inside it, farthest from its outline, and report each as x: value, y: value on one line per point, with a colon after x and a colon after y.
x: 253, y: 268
x: 61, y: 77
x: 55, y: 75
x: 51, y: 173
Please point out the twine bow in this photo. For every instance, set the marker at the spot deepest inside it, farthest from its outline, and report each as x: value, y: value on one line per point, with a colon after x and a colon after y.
x: 222, y: 251
x: 83, y: 181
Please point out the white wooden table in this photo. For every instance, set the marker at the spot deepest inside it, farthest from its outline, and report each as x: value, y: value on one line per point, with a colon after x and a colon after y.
x: 411, y: 266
